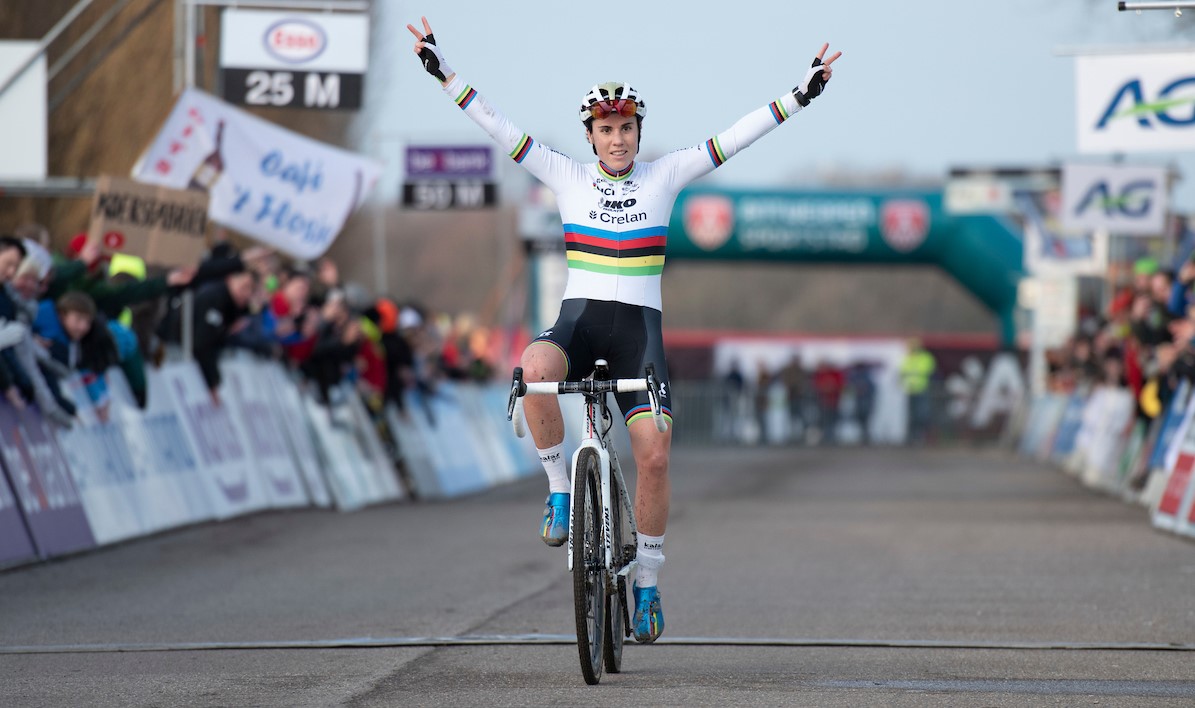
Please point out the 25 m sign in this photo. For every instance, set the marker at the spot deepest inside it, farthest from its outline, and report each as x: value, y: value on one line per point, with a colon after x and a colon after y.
x: 291, y: 89
x: 293, y: 59
x: 1135, y: 102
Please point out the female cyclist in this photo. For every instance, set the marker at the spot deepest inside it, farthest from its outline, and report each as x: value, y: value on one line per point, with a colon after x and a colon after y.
x: 615, y: 213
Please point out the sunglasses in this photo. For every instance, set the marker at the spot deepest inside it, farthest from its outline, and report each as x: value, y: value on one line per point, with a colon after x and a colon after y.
x: 624, y: 107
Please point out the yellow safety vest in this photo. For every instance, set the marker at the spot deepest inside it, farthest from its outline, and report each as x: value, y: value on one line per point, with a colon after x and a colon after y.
x: 915, y: 371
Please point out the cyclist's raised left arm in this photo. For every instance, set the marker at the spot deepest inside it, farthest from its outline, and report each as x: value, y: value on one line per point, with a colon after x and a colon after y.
x: 690, y: 163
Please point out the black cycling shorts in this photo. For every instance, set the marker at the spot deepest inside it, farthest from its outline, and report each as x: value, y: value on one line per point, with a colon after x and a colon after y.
x: 628, y: 337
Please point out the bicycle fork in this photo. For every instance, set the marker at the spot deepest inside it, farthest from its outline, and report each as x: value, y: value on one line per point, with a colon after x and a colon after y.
x: 607, y: 521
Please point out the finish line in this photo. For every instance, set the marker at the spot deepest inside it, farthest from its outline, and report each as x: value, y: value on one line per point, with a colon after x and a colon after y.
x: 570, y: 640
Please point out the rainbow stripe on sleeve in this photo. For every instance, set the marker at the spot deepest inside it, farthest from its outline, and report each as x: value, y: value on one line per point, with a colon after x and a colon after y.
x: 466, y: 97
x: 715, y: 151
x: 522, y: 148
x: 778, y: 112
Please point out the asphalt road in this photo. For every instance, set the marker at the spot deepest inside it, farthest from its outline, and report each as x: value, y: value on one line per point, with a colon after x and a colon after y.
x: 794, y: 577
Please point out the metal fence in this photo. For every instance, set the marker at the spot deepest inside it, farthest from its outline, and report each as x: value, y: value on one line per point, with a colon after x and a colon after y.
x: 712, y: 413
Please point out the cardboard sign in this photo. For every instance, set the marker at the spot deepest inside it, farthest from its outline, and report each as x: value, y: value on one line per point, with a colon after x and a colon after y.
x: 164, y: 226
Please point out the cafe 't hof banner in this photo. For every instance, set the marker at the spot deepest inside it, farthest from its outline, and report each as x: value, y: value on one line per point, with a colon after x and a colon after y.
x: 283, y: 189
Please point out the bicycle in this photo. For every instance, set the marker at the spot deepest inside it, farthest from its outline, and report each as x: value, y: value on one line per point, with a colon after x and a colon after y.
x: 604, y: 519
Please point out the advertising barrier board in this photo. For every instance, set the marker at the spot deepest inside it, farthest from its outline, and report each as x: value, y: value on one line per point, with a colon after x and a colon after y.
x: 233, y: 486
x: 42, y: 484
x: 244, y: 394
x: 288, y: 406
x: 15, y: 546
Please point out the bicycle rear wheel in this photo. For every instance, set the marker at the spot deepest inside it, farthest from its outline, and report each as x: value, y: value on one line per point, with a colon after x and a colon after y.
x: 616, y: 593
x: 589, y: 592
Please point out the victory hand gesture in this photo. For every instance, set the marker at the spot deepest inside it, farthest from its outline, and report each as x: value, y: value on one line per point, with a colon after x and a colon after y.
x: 816, y: 78
x: 429, y: 53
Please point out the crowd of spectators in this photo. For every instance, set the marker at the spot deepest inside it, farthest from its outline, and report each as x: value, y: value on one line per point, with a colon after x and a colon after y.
x: 1143, y: 340
x: 85, y: 311
x: 814, y: 401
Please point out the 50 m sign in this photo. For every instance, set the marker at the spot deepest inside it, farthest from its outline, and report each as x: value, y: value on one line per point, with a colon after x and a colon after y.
x: 1135, y: 103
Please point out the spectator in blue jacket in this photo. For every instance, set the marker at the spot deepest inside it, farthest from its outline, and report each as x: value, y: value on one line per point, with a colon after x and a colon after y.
x: 68, y: 327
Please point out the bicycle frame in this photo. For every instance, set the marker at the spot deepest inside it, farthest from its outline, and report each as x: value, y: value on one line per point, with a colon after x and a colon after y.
x: 598, y: 423
x: 596, y: 437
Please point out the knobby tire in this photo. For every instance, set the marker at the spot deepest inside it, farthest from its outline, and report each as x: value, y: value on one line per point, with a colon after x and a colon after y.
x: 589, y: 592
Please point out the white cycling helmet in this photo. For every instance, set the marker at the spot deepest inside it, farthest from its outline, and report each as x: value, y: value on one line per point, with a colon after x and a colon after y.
x: 611, y: 91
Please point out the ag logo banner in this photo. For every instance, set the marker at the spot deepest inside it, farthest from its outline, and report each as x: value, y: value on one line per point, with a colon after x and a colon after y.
x: 1135, y: 102
x: 1121, y: 199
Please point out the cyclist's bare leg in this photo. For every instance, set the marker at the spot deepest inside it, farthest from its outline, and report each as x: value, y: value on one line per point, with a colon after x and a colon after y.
x: 544, y: 362
x: 651, y: 449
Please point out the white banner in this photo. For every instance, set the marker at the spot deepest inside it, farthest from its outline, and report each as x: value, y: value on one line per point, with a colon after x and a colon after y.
x: 1051, y: 254
x: 1135, y: 102
x: 1122, y: 199
x: 281, y: 188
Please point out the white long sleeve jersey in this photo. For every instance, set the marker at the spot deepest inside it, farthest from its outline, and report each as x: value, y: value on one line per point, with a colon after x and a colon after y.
x: 616, y: 226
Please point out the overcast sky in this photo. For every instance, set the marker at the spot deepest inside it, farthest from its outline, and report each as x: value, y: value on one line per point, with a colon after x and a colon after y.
x: 923, y: 86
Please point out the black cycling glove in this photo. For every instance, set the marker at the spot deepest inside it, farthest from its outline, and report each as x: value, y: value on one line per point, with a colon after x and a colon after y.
x: 812, y: 85
x: 433, y: 60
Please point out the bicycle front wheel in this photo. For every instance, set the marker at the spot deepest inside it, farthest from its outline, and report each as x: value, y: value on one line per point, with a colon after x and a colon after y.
x: 616, y: 591
x: 585, y: 535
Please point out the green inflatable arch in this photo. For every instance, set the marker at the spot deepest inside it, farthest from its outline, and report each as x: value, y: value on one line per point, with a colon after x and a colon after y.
x: 984, y: 253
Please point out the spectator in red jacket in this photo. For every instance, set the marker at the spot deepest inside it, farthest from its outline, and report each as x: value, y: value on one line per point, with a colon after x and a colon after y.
x: 828, y: 384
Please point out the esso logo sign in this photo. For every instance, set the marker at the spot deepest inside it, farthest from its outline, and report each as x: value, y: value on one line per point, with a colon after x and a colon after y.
x: 709, y: 221
x: 904, y: 224
x: 295, y: 41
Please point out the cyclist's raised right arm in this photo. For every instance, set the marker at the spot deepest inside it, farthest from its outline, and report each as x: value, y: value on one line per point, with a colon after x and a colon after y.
x: 552, y: 168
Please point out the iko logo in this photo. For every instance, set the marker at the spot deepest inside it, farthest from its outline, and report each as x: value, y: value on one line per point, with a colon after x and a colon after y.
x: 1161, y: 107
x: 663, y: 390
x: 1134, y: 199
x: 617, y: 204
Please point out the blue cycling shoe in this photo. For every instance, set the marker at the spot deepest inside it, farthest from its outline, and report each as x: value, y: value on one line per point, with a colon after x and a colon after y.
x: 648, y: 622
x: 555, y: 527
